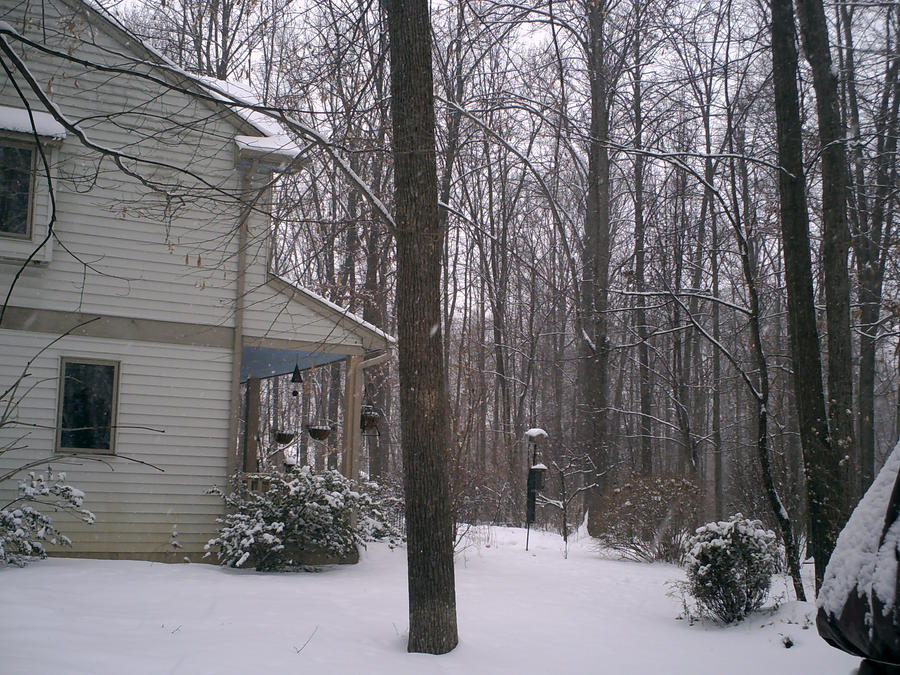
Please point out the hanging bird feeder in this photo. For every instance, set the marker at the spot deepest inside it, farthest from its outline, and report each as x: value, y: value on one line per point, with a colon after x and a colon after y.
x: 368, y: 418
x: 296, y: 378
x: 318, y: 432
x: 283, y: 437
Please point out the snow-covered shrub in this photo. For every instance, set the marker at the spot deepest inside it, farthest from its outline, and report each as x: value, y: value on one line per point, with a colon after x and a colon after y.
x: 299, y: 511
x: 730, y: 565
x: 24, y: 529
x: 647, y: 518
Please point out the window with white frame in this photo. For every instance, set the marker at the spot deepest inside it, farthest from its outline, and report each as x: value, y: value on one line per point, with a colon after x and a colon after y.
x: 16, y: 189
x: 88, y: 394
x: 30, y: 144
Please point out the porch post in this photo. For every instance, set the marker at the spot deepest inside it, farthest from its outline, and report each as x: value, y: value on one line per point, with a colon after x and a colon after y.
x: 251, y: 441
x: 350, y: 464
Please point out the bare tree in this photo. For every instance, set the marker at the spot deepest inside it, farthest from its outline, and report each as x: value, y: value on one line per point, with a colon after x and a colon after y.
x: 821, y: 461
x: 423, y: 386
x: 835, y: 246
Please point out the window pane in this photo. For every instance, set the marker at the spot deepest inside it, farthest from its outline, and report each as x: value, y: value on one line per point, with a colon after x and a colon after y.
x: 87, y: 405
x: 15, y: 181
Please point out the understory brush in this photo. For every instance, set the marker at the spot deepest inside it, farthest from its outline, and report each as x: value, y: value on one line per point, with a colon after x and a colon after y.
x: 648, y: 518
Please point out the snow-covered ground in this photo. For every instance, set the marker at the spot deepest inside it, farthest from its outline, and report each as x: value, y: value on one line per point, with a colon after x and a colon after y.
x: 519, y: 612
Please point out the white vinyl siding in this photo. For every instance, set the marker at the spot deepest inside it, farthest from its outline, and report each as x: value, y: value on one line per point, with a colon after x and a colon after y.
x: 140, y: 264
x: 174, y: 405
x: 118, y: 257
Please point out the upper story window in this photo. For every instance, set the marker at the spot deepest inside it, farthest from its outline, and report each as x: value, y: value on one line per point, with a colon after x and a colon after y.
x: 30, y: 144
x: 16, y: 189
x: 88, y: 396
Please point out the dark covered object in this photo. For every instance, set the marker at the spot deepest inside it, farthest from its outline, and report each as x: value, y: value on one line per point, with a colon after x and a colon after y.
x: 862, y: 626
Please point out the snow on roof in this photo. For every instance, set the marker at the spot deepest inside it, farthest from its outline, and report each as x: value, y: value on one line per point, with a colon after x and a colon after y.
x: 858, y: 561
x: 274, y: 139
x: 536, y: 434
x: 540, y: 466
x: 17, y: 119
x: 287, y: 286
x: 279, y: 146
x: 346, y: 312
x: 238, y: 91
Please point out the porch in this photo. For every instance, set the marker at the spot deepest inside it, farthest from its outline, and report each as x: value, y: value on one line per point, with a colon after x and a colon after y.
x: 303, y: 407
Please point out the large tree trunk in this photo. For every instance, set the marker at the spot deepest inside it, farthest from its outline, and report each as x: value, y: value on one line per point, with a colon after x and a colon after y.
x: 821, y: 463
x: 424, y: 423
x: 640, y: 314
x: 870, y: 210
x: 594, y: 367
x: 836, y: 243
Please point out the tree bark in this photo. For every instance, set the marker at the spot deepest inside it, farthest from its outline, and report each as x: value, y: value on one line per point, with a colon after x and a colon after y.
x: 870, y: 208
x: 821, y: 463
x: 424, y: 423
x: 640, y: 272
x: 594, y: 370
x: 835, y: 245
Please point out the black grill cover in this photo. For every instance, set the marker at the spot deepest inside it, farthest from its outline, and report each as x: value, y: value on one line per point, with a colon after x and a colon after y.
x: 853, y: 617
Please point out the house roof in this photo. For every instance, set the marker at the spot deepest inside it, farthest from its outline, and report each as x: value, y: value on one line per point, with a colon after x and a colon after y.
x: 371, y: 336
x: 273, y: 142
x: 236, y: 98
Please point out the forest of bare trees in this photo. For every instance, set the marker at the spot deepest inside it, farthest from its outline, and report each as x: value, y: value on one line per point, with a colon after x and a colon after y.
x: 664, y: 233
x: 669, y: 239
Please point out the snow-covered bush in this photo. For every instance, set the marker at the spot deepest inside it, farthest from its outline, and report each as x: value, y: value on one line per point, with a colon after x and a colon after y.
x: 300, y: 511
x: 24, y: 529
x: 730, y: 566
x: 648, y: 518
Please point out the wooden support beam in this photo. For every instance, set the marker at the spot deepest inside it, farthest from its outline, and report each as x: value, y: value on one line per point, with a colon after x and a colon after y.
x: 251, y: 430
x: 352, y: 436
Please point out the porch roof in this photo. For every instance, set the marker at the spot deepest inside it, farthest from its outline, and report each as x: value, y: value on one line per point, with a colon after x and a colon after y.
x: 262, y: 362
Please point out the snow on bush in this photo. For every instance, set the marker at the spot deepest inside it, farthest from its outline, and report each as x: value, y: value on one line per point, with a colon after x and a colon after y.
x: 730, y: 566
x: 24, y: 529
x: 300, y: 511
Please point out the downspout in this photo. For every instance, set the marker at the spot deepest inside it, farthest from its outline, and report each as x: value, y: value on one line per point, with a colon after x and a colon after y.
x: 238, y: 345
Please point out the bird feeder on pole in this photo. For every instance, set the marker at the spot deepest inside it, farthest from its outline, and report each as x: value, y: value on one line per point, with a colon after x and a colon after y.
x: 536, y: 474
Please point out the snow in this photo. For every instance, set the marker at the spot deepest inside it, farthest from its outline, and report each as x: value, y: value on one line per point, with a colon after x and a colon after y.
x: 279, y: 146
x: 342, y: 310
x: 233, y: 94
x: 540, y: 466
x: 536, y: 434
x: 228, y: 92
x: 519, y: 612
x: 17, y: 120
x: 857, y: 561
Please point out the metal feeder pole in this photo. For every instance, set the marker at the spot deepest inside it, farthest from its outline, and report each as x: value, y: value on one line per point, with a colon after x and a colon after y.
x: 530, y: 488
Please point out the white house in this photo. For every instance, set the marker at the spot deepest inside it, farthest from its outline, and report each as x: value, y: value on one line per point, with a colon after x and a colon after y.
x: 151, y: 299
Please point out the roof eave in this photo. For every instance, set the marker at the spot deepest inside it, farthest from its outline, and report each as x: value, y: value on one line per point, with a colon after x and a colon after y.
x: 372, y: 337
